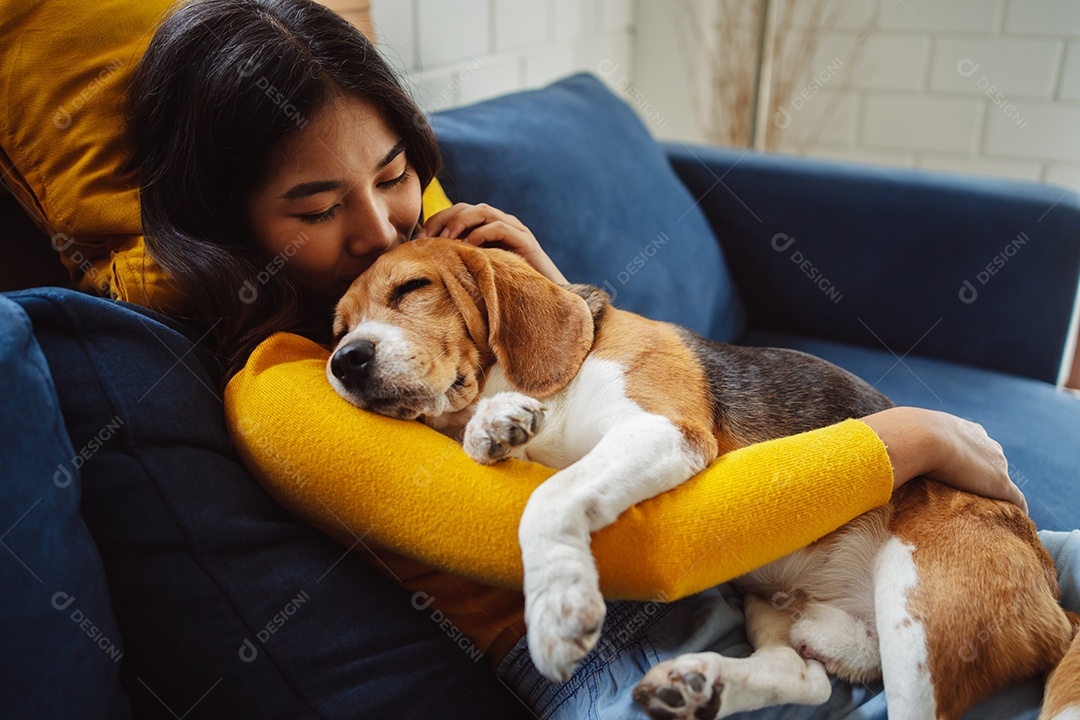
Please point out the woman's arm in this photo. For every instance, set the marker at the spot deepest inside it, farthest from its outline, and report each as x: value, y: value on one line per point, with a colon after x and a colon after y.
x: 404, y: 487
x: 920, y: 442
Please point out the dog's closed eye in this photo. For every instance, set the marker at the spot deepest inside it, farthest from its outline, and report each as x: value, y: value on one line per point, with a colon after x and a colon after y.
x: 405, y: 288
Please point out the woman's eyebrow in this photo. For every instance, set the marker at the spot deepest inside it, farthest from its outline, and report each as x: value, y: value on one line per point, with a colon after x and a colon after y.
x: 318, y: 186
x: 398, y: 148
x: 309, y: 188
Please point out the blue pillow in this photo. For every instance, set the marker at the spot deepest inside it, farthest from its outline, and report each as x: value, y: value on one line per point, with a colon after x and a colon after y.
x: 576, y: 165
x: 228, y: 606
x: 62, y: 647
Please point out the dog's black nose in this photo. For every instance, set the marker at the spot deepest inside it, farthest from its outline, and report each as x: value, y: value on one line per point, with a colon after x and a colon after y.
x: 350, y: 362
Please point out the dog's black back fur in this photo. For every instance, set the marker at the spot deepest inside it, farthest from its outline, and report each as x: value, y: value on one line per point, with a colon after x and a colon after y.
x: 764, y: 393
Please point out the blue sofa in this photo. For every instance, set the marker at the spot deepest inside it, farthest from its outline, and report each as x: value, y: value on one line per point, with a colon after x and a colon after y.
x: 150, y: 576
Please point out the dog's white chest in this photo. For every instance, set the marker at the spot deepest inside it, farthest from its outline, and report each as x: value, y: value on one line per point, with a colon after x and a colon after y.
x: 579, y: 416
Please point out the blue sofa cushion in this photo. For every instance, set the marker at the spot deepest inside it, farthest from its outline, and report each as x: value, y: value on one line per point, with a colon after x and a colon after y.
x: 576, y: 165
x: 1036, y: 424
x: 61, y: 640
x: 227, y: 605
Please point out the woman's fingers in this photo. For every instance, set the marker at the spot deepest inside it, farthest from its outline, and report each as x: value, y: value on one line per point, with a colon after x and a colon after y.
x: 484, y: 225
x: 458, y: 221
x: 501, y: 234
x: 977, y: 463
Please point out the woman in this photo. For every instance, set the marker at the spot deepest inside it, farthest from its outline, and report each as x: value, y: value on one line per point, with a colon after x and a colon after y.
x: 279, y: 156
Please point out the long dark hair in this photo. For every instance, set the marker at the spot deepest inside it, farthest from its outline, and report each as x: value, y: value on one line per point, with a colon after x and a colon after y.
x: 222, y: 82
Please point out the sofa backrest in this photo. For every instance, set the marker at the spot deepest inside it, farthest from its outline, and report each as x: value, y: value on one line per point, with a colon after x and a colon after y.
x: 576, y: 165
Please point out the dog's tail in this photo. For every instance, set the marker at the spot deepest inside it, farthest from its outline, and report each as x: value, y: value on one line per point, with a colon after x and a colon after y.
x: 1062, y: 698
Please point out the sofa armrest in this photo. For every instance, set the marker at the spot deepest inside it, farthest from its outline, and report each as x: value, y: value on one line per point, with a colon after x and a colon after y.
x: 975, y: 270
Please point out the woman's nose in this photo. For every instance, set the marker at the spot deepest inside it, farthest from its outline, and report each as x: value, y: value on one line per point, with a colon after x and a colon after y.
x: 372, y: 229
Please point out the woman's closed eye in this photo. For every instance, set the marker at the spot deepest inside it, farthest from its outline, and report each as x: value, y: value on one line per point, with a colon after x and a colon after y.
x: 328, y: 214
x: 396, y: 181
x: 320, y: 217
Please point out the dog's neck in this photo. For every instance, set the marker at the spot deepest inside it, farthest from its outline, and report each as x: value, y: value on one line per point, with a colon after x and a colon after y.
x: 597, y: 300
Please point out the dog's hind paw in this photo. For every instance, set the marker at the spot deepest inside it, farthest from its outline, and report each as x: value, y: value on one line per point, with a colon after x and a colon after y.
x: 706, y: 685
x: 502, y: 426
x: 686, y: 687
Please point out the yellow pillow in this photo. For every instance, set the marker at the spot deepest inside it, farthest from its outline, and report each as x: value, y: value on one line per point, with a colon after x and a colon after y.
x: 66, y: 66
x: 346, y: 473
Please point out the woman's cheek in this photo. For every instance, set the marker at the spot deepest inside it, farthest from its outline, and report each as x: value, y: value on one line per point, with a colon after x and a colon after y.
x: 311, y: 253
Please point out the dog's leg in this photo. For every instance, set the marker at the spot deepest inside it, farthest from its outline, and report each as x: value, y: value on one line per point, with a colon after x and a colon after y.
x: 640, y: 457
x: 905, y: 662
x: 847, y: 645
x: 708, y: 685
x: 1062, y: 700
x: 502, y: 426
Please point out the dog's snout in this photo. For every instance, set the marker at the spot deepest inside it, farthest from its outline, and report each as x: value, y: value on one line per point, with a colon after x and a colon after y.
x: 350, y: 362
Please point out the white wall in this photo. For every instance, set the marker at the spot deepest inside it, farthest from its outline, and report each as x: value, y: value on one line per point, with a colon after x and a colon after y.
x: 980, y: 86
x: 456, y: 52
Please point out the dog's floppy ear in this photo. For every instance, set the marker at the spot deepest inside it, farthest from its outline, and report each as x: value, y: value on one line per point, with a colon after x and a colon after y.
x: 467, y: 300
x: 539, y: 333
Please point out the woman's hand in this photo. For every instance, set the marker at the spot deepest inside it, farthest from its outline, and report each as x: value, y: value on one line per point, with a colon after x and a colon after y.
x: 945, y: 448
x: 484, y: 225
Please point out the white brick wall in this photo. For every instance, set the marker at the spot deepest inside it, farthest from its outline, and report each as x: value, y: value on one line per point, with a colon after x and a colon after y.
x: 455, y: 52
x: 976, y: 86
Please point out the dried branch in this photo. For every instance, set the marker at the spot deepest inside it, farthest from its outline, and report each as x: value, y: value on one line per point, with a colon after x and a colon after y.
x: 722, y: 39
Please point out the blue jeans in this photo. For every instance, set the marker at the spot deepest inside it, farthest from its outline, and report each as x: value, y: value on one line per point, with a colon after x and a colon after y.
x: 638, y: 635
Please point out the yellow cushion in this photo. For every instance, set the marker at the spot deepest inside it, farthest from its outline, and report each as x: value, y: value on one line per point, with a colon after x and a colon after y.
x: 434, y: 199
x: 66, y: 65
x: 405, y: 488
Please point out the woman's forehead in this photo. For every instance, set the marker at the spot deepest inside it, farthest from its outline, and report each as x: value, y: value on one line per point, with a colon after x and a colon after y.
x: 348, y: 136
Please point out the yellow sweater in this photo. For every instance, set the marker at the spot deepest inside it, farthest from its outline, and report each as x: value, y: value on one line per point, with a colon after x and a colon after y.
x: 420, y: 510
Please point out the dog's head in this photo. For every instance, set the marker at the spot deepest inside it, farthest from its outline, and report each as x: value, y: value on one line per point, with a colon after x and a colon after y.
x: 418, y: 330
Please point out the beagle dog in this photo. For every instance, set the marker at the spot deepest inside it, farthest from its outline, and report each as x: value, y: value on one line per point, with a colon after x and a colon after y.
x: 478, y: 345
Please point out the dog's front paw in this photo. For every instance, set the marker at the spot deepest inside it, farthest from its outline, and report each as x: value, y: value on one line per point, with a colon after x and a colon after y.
x: 502, y: 425
x: 564, y: 619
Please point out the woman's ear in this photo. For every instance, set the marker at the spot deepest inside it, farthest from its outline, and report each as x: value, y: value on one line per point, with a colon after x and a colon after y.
x: 539, y: 333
